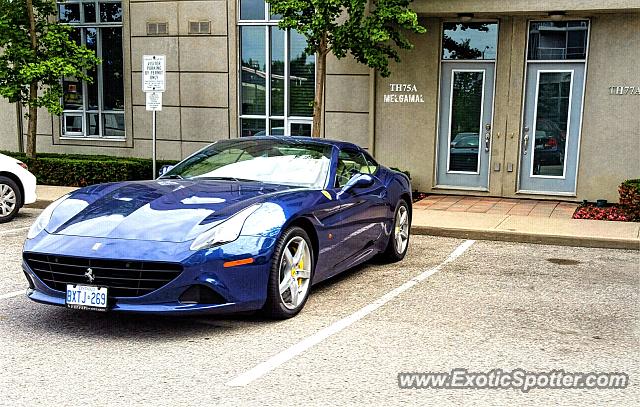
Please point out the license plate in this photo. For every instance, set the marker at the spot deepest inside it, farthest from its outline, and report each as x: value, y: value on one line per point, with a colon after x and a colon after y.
x: 86, y: 297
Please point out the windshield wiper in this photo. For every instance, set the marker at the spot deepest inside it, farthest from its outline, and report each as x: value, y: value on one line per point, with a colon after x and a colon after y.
x: 172, y: 176
x: 231, y: 179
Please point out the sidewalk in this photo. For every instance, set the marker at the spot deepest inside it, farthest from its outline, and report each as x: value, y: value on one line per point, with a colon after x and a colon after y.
x: 513, y: 220
x: 519, y: 220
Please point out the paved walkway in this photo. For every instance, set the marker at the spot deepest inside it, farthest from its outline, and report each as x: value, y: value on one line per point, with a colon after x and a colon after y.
x: 529, y: 221
x: 498, y: 206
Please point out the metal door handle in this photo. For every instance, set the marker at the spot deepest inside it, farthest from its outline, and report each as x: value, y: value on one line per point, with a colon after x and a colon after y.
x: 487, y: 137
x: 526, y: 143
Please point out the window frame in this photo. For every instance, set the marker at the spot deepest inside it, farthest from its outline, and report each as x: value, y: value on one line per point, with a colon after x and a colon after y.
x: 286, y: 117
x: 83, y: 26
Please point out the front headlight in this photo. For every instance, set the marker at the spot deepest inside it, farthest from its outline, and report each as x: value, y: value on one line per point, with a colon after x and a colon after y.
x: 43, y: 220
x: 224, y: 232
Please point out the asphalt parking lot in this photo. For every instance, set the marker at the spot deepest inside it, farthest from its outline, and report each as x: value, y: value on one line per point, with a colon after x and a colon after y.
x: 496, y: 305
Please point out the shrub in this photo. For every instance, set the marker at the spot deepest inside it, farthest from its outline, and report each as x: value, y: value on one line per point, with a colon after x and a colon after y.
x: 613, y: 213
x: 76, y: 170
x: 630, y: 198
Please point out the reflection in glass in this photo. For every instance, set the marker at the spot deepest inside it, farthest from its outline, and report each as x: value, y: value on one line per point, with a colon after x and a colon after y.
x: 91, y: 38
x: 251, y: 9
x: 466, y: 111
x: 301, y: 129
x: 89, y: 12
x: 277, y: 128
x: 112, y: 69
x: 72, y: 123
x: 93, y: 124
x: 558, y: 40
x: 251, y: 127
x: 253, y: 92
x: 470, y: 41
x: 69, y: 13
x: 72, y: 88
x: 277, y: 71
x: 551, y: 123
x: 110, y: 12
x: 301, y: 76
x: 113, y: 124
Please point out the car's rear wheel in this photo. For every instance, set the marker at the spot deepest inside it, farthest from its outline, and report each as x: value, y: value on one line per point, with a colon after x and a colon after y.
x: 291, y: 273
x: 399, y: 239
x: 10, y: 199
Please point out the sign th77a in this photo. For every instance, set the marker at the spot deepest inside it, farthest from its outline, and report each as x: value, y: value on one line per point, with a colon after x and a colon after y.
x: 153, y: 73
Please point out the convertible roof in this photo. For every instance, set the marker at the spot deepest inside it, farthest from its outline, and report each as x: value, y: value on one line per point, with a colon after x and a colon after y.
x: 289, y: 139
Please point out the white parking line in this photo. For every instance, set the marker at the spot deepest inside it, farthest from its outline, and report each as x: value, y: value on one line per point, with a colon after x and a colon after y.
x: 310, y: 341
x: 6, y: 232
x: 13, y: 294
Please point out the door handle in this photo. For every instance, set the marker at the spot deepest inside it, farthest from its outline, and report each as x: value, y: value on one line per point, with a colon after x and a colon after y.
x: 526, y: 140
x: 487, y: 137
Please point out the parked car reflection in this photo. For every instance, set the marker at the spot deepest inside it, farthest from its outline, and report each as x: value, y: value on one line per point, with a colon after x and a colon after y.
x: 463, y: 152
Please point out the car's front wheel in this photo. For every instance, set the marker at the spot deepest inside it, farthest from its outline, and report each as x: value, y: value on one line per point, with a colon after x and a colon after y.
x: 291, y: 273
x: 10, y: 199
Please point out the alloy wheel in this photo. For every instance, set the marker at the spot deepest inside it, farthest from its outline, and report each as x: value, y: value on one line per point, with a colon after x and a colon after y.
x: 8, y: 200
x: 295, y: 272
x: 401, y: 232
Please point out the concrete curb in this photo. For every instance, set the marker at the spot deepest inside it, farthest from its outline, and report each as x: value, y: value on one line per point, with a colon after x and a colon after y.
x: 508, y: 236
x: 39, y: 204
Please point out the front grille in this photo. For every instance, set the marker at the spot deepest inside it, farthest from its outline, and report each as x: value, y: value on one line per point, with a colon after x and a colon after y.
x: 123, y: 278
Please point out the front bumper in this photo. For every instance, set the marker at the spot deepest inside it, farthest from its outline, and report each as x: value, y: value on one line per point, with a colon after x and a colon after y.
x: 243, y: 288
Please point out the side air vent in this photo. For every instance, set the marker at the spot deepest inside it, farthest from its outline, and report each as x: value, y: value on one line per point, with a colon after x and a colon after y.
x: 199, y: 27
x: 155, y: 28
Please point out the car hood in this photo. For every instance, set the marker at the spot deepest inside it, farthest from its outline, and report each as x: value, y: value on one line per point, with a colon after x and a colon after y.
x: 161, y: 210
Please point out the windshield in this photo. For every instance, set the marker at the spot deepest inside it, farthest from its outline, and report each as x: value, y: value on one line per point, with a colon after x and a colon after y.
x: 292, y: 163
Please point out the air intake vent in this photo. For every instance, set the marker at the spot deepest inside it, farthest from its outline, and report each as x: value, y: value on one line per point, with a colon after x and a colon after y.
x: 199, y: 27
x: 157, y: 28
x: 124, y: 278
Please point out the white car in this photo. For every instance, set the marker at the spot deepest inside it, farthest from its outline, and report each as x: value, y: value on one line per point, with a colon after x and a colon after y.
x: 17, y: 187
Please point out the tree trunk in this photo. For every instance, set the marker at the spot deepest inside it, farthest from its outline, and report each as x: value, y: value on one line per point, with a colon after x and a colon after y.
x: 33, y: 121
x: 319, y: 96
x: 33, y: 87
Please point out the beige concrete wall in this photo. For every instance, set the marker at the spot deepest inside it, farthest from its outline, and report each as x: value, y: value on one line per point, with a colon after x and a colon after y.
x: 8, y: 127
x: 346, y: 108
x: 520, y: 6
x: 610, y: 143
x: 405, y: 132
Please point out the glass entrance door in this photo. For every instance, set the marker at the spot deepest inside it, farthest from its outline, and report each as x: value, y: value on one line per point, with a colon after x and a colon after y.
x: 466, y: 105
x: 466, y: 113
x: 553, y: 107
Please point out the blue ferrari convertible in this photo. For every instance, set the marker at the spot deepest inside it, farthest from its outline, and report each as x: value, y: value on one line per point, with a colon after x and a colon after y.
x: 241, y: 225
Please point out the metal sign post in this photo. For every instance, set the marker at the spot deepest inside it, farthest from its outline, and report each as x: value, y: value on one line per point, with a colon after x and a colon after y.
x: 153, y: 84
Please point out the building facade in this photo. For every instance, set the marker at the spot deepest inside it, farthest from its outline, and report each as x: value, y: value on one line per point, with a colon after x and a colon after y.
x: 508, y: 99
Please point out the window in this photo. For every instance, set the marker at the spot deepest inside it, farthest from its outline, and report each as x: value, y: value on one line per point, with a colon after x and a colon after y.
x: 95, y: 109
x: 558, y: 40
x: 351, y: 163
x: 277, y: 78
x: 469, y: 41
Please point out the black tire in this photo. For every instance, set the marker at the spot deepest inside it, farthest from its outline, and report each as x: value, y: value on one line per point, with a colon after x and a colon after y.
x: 275, y: 307
x: 8, y: 189
x: 391, y: 253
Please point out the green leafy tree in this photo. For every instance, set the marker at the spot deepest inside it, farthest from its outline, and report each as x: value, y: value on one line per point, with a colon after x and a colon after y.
x: 371, y: 30
x: 36, y: 52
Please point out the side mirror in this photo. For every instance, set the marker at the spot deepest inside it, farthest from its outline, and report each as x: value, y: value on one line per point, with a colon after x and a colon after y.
x: 357, y: 181
x: 165, y: 169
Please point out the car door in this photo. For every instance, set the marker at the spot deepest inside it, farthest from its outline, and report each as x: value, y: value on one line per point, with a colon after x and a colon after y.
x: 362, y: 209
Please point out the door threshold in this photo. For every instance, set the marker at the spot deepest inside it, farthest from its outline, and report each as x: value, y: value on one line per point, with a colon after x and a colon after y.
x: 550, y: 193
x: 459, y: 188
